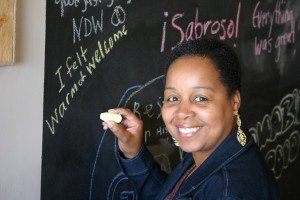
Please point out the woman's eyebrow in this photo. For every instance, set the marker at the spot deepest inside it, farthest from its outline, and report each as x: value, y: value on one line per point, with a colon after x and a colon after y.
x: 203, y: 87
x: 169, y: 88
x: 195, y: 88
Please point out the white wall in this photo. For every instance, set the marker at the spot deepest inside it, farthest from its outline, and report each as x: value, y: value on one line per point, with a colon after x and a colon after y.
x: 21, y: 106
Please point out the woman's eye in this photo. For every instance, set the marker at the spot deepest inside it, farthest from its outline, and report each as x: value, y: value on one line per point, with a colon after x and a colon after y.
x: 200, y: 99
x: 172, y: 99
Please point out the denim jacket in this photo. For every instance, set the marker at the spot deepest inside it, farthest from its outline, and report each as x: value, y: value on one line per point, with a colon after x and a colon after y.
x: 232, y: 171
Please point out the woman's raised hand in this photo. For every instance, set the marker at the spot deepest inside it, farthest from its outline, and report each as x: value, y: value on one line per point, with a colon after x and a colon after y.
x: 129, y: 131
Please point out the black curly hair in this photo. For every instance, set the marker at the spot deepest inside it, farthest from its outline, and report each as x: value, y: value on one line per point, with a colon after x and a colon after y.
x: 223, y: 56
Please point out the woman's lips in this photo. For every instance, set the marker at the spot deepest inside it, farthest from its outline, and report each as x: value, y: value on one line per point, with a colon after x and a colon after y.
x: 188, y: 132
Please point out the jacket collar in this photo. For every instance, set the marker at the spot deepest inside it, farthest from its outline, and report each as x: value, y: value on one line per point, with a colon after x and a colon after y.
x: 228, y: 150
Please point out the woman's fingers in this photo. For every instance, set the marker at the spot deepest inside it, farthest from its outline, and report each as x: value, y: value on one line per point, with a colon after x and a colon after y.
x: 105, y: 127
x: 118, y: 130
x: 130, y: 121
x: 126, y: 113
x: 129, y: 132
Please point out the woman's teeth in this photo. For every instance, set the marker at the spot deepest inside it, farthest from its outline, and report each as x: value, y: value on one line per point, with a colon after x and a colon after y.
x: 188, y: 130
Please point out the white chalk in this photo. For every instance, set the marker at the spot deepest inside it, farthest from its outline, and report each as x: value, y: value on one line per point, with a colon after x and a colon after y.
x: 106, y: 116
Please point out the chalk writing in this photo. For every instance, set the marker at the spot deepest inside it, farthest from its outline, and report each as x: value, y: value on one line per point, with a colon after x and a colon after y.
x: 156, y: 135
x: 85, y: 26
x: 118, y: 17
x: 284, y: 154
x: 278, y: 135
x: 148, y: 110
x: 83, y: 66
x: 119, y: 178
x: 66, y: 3
x: 88, y: 25
x: 94, y: 3
x: 126, y: 195
x: 103, y: 136
x: 223, y: 28
x: 270, y: 19
x: 84, y: 5
x: 160, y: 131
x: 115, y: 191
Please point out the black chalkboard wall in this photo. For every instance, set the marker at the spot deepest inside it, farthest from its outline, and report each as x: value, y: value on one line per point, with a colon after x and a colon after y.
x: 106, y: 54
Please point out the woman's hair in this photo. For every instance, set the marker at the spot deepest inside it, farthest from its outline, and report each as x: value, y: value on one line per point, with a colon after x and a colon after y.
x: 224, y: 58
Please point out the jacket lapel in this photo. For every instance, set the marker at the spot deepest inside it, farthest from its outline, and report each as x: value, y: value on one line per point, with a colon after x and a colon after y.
x: 229, y: 149
x: 175, y: 176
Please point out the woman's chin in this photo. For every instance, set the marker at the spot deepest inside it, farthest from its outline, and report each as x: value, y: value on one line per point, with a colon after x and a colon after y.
x: 188, y: 147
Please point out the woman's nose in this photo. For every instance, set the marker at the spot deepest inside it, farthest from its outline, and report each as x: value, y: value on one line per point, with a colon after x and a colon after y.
x: 184, y: 110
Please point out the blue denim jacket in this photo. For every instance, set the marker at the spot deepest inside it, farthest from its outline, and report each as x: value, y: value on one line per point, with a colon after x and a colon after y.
x: 232, y: 171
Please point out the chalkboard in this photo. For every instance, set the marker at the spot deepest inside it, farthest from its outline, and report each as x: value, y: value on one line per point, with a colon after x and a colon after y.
x: 106, y: 54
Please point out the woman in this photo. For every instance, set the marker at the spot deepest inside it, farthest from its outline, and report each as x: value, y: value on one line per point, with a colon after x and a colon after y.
x: 200, y: 111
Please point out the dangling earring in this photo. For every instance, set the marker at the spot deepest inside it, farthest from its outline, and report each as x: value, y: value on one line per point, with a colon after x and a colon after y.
x: 175, y: 142
x: 241, y: 136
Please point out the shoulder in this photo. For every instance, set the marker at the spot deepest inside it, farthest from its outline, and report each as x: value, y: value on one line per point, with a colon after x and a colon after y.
x: 245, y: 177
x: 232, y: 184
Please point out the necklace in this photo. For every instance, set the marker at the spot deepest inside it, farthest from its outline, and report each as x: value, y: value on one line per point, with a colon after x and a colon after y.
x: 187, y: 174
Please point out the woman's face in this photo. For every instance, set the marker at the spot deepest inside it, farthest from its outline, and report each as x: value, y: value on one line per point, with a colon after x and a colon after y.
x: 197, y: 110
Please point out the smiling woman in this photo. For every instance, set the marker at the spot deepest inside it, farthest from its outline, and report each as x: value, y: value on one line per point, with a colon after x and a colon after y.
x: 200, y: 110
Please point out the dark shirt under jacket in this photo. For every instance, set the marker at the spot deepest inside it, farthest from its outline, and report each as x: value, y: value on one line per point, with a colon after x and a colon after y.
x: 232, y: 172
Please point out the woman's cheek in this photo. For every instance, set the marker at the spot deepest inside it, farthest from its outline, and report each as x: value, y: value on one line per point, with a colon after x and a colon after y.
x: 164, y: 113
x: 167, y: 114
x: 209, y: 116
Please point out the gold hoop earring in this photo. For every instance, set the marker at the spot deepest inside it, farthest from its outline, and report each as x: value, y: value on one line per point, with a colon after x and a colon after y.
x: 241, y: 136
x: 175, y: 142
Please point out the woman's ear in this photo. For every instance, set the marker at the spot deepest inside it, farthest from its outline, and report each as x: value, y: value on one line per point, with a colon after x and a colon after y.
x: 236, y: 100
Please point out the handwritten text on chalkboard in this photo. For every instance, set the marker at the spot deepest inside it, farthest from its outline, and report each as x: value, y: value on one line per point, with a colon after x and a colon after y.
x: 277, y: 135
x: 85, y: 26
x: 223, y: 28
x: 271, y: 19
x: 84, y: 65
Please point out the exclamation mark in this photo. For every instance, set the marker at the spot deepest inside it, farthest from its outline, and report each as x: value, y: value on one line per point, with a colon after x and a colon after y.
x: 237, y: 22
x: 163, y: 40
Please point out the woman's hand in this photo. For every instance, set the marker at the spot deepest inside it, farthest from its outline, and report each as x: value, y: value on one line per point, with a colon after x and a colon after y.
x: 129, y: 132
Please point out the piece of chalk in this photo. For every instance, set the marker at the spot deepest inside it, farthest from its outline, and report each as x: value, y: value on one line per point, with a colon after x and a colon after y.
x: 106, y: 116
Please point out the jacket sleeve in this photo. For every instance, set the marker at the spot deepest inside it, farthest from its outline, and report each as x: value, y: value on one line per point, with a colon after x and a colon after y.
x: 144, y: 173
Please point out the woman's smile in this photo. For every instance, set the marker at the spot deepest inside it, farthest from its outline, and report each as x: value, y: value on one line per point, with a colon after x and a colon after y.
x: 188, y: 132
